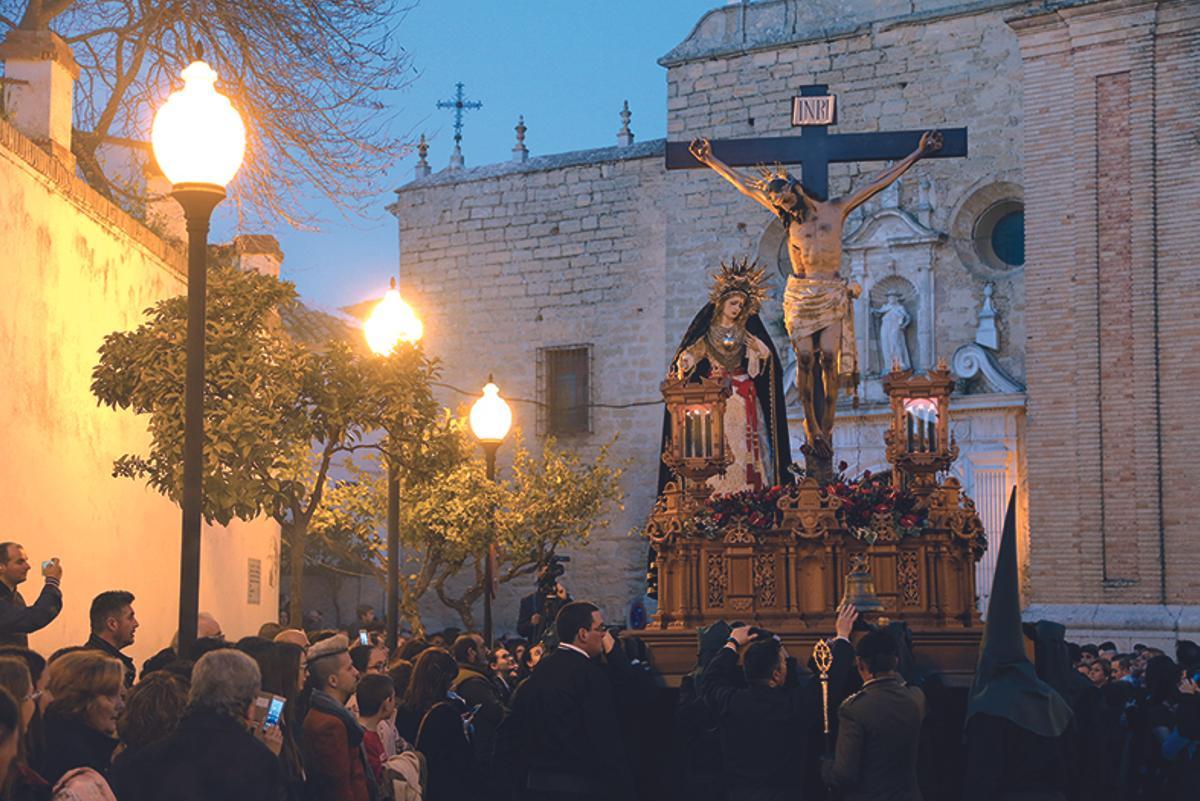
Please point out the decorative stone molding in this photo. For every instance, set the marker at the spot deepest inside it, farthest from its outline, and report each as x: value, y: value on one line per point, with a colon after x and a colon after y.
x: 892, y: 250
x: 971, y: 360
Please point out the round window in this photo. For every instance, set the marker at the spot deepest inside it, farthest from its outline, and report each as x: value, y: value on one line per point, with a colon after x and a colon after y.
x: 1008, y: 238
x: 1000, y: 235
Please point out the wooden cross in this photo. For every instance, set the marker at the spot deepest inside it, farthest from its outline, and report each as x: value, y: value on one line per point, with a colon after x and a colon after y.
x: 815, y: 149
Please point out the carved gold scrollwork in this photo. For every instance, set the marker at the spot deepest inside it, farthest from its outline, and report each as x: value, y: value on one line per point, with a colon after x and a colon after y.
x: 808, y: 512
x: 738, y: 534
x: 764, y: 579
x: 884, y: 527
x: 908, y: 577
x: 717, y: 577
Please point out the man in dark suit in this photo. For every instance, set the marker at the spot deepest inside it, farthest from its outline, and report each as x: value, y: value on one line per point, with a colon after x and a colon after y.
x: 113, y: 627
x: 766, y: 722
x: 878, y: 729
x: 562, y: 739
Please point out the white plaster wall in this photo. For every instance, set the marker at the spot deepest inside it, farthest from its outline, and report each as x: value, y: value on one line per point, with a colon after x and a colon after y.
x: 75, y: 269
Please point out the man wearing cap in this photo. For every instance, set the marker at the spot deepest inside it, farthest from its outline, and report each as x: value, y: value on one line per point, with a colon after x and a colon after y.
x: 333, y: 739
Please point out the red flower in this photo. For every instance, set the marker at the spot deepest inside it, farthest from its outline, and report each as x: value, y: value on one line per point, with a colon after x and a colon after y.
x: 881, y: 507
x: 908, y: 521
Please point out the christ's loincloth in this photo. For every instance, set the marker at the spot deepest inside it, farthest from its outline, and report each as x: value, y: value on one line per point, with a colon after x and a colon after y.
x: 813, y: 304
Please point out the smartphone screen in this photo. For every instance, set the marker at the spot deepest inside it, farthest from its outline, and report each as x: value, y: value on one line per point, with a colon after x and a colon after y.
x: 363, y: 637
x: 274, y: 712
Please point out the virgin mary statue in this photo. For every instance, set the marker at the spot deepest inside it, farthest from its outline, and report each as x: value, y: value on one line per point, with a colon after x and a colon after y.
x: 728, y: 339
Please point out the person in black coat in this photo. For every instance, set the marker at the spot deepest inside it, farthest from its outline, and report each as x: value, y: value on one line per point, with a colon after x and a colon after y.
x: 443, y: 738
x: 562, y: 739
x: 1017, y: 723
x: 768, y: 721
x: 211, y: 756
x: 80, y: 724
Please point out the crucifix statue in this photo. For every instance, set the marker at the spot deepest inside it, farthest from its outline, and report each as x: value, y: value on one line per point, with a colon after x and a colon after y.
x: 817, y: 301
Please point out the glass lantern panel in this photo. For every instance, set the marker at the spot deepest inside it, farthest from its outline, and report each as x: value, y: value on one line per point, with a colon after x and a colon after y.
x: 920, y: 419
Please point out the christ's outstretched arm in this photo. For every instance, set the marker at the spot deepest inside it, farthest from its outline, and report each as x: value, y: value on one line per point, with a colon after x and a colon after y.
x: 930, y: 141
x: 702, y: 150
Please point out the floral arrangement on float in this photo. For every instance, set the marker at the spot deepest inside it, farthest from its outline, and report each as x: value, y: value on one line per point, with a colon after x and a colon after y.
x: 869, y: 505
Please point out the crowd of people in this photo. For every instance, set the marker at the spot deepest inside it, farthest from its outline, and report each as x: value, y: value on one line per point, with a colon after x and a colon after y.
x: 307, y: 715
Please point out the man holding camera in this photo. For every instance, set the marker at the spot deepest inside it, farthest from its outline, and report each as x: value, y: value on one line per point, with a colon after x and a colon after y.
x: 539, y: 608
x: 17, y: 620
x: 768, y: 720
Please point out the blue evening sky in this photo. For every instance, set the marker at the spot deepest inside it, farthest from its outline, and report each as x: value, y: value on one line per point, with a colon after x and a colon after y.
x: 567, y: 66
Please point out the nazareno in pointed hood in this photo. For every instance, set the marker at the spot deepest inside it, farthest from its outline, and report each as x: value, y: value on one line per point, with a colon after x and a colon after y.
x: 1006, y: 684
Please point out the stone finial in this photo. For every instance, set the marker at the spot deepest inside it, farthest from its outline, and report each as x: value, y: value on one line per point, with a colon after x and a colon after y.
x: 456, y: 157
x: 40, y: 73
x: 986, y: 333
x: 422, y: 169
x: 625, y: 136
x: 520, y: 153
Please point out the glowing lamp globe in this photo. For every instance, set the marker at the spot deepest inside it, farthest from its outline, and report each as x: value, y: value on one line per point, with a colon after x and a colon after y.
x: 197, y: 135
x: 393, y: 321
x: 490, y: 416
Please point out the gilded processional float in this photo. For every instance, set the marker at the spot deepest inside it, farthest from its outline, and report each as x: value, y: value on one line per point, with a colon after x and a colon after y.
x: 738, y: 532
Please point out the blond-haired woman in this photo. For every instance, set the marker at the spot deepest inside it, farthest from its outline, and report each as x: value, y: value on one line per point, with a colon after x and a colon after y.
x: 81, y: 722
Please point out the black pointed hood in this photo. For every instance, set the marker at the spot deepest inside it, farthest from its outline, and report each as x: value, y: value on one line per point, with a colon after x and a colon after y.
x: 1006, y: 684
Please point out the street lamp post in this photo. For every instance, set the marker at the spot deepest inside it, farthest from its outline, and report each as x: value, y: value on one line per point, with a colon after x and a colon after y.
x: 490, y: 420
x: 391, y: 323
x: 199, y: 141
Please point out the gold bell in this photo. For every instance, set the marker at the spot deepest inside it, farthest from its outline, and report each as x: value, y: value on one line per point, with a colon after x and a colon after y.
x: 860, y: 588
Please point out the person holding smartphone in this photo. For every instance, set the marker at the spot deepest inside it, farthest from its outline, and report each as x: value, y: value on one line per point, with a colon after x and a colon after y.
x: 17, y: 620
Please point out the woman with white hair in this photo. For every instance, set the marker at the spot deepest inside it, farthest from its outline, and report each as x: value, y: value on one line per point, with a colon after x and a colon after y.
x: 218, y: 752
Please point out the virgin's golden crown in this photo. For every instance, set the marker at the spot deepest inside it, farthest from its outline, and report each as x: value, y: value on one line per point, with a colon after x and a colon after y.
x: 744, y: 277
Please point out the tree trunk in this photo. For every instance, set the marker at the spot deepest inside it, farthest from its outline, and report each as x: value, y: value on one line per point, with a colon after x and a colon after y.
x: 296, y: 538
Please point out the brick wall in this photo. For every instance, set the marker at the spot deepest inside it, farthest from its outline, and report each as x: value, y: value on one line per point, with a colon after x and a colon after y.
x: 1109, y: 156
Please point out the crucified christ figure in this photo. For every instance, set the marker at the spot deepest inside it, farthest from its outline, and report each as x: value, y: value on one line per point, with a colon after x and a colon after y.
x: 816, y: 303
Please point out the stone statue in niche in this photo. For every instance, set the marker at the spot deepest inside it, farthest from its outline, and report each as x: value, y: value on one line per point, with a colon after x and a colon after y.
x: 894, y: 321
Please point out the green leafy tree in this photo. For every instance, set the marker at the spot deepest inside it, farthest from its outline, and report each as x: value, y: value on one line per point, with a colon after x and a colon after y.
x: 547, y: 500
x: 277, y: 415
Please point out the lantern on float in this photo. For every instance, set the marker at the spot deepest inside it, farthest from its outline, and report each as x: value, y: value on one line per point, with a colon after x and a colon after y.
x: 696, y: 448
x: 919, y: 444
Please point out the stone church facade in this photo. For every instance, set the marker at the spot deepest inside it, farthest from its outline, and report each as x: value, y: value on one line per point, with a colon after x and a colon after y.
x: 602, y: 257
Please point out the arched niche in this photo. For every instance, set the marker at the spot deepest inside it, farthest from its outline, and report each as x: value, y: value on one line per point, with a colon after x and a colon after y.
x: 872, y: 362
x: 891, y: 248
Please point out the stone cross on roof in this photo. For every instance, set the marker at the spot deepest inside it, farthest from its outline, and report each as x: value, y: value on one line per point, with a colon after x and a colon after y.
x: 459, y: 104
